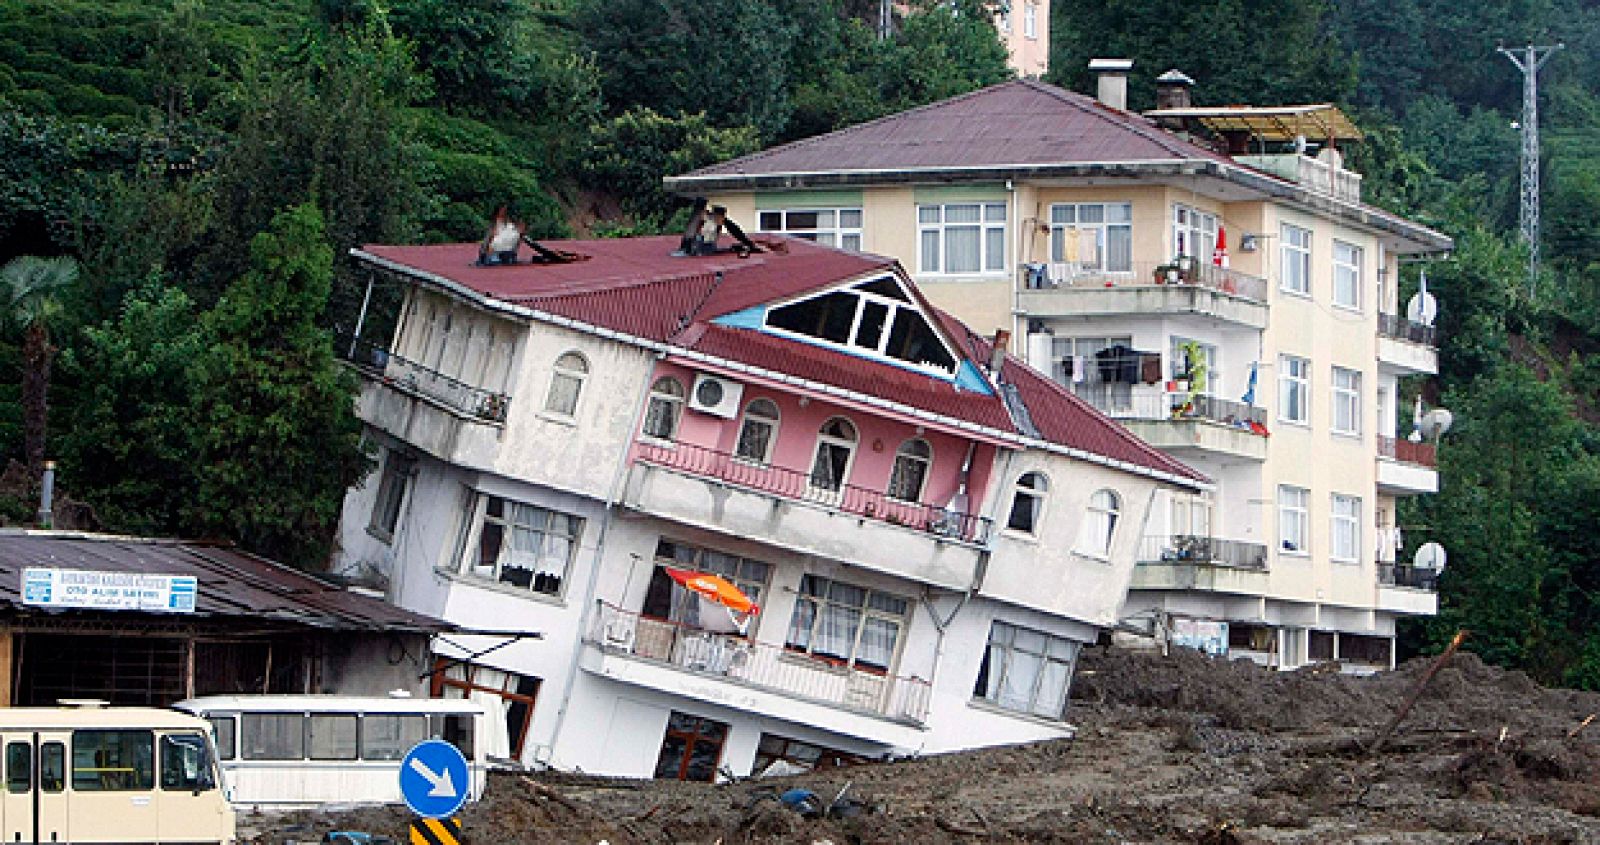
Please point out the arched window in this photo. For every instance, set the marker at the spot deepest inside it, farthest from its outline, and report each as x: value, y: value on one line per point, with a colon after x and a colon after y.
x: 566, y: 384
x: 759, y: 432
x: 910, y: 470
x: 666, y: 405
x: 1099, y: 524
x: 836, y: 445
x: 1027, y: 502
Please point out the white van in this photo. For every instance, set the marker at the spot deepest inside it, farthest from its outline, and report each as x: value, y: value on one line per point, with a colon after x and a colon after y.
x: 109, y: 775
x: 290, y: 751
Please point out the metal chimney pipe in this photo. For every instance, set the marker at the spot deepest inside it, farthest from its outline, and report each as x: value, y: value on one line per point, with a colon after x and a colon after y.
x: 1113, y: 81
x: 47, y: 495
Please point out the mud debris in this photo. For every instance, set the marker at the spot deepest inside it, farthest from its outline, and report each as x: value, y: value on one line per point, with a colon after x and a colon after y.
x: 1176, y: 749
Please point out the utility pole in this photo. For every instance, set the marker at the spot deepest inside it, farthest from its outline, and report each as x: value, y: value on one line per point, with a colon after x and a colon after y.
x: 885, y: 18
x: 1529, y: 60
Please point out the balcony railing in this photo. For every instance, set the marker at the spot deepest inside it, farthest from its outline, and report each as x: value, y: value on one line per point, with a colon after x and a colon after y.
x: 1126, y: 402
x: 1400, y: 328
x: 454, y: 393
x: 802, y: 486
x: 771, y: 667
x: 1405, y: 575
x: 1315, y: 174
x: 1421, y: 454
x: 1182, y: 273
x: 1187, y: 548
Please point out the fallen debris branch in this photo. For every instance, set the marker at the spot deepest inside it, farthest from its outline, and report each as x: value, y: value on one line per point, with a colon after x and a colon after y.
x: 1416, y: 692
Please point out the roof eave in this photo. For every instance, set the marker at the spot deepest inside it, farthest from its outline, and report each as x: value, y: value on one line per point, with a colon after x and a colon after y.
x: 1419, y: 238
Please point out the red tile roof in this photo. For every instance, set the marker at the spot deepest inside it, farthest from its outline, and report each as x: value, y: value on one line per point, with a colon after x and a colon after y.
x: 1020, y: 123
x: 636, y: 286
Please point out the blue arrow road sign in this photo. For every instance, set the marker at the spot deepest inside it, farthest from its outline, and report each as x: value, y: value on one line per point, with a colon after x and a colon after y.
x: 434, y: 779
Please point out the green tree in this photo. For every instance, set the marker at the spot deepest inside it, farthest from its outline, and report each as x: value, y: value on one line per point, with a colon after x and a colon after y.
x: 631, y: 153
x: 942, y: 49
x: 128, y: 450
x: 33, y: 287
x: 277, y: 441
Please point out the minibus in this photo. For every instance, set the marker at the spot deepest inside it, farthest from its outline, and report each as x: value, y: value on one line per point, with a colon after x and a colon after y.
x: 88, y: 773
x: 296, y: 751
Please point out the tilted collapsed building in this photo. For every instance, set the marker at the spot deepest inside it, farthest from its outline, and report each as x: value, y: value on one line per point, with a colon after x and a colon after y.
x: 932, y: 530
x: 1196, y: 273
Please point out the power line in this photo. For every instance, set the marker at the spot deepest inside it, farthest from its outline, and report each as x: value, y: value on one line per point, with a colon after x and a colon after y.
x: 1529, y: 60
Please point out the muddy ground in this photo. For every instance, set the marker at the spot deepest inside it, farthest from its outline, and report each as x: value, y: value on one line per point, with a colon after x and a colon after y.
x: 1180, y: 749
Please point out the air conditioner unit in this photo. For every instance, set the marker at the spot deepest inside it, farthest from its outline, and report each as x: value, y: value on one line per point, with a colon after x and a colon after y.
x: 716, y: 396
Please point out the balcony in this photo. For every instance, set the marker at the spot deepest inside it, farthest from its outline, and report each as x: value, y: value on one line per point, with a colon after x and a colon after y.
x: 1406, y: 468
x: 1406, y: 348
x: 1407, y: 589
x: 441, y: 415
x: 782, y: 506
x: 762, y: 677
x: 1205, y: 551
x: 1174, y: 421
x: 451, y: 393
x: 1311, y: 173
x: 1194, y: 287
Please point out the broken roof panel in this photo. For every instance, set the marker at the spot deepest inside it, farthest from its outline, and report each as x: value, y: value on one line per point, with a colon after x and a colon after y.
x: 232, y: 584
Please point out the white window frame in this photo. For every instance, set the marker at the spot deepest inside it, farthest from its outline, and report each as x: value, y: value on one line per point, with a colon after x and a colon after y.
x: 1099, y: 527
x: 393, y: 485
x: 1035, y: 495
x: 1344, y: 528
x: 1068, y: 217
x: 1294, y: 265
x: 1346, y: 388
x: 663, y: 401
x: 1347, y: 282
x: 562, y: 372
x: 759, y: 418
x: 553, y: 519
x: 864, y: 612
x: 1194, y: 232
x: 1294, y: 512
x: 1294, y: 383
x: 909, y: 454
x: 1001, y: 657
x: 933, y: 227
x: 844, y: 227
x: 1030, y: 20
x: 836, y: 441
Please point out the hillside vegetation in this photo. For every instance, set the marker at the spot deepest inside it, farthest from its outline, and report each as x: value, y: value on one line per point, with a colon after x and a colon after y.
x: 208, y: 162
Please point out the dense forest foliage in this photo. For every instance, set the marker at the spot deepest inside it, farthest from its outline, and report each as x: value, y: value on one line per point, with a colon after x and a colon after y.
x: 206, y: 163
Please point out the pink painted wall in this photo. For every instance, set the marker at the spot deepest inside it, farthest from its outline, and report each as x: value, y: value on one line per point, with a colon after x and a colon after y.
x: 879, y: 436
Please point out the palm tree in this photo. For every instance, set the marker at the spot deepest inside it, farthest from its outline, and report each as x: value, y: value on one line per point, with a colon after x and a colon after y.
x: 31, y: 285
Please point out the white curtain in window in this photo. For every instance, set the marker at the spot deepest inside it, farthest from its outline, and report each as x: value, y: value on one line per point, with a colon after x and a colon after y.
x: 522, y: 552
x: 1021, y: 672
x: 557, y: 548
x: 496, y: 735
x: 878, y: 639
x: 963, y: 247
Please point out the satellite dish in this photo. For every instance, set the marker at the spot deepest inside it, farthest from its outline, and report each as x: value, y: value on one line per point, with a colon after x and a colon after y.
x: 1430, y: 556
x: 1422, y: 308
x: 1436, y: 422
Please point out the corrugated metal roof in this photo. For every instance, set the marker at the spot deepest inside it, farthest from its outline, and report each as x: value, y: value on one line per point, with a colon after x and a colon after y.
x: 232, y: 584
x: 1021, y: 123
x: 637, y: 287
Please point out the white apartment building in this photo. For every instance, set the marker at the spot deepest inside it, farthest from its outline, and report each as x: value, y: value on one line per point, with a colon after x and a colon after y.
x: 1093, y: 233
x: 931, y: 531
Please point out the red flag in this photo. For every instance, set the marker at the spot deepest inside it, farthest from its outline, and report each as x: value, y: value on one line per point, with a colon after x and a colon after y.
x: 1219, y: 256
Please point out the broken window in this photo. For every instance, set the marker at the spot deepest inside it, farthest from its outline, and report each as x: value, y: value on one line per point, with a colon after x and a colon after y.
x: 691, y: 748
x: 398, y: 469
x: 1027, y: 502
x: 524, y: 545
x: 506, y: 697
x: 1027, y: 671
x: 876, y: 317
x: 779, y: 755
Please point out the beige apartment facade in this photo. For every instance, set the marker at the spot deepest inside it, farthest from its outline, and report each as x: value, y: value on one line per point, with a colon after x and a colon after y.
x: 1091, y: 235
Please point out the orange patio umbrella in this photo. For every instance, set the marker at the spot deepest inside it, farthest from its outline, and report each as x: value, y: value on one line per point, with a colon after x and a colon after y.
x: 716, y: 588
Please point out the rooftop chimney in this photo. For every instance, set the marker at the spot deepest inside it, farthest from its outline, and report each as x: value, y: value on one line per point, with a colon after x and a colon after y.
x: 1113, y: 90
x: 997, y: 354
x: 1172, y: 90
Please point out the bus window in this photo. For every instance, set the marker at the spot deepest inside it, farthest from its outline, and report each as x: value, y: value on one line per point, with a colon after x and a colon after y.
x: 113, y: 761
x: 389, y: 737
x: 185, y: 765
x: 333, y: 736
x: 272, y: 736
x: 19, y: 767
x: 457, y: 730
x: 53, y: 767
x: 222, y: 729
